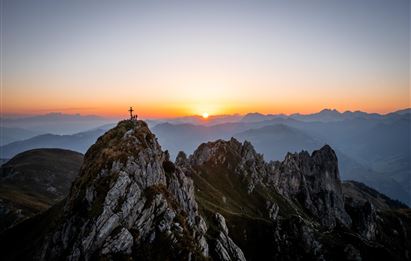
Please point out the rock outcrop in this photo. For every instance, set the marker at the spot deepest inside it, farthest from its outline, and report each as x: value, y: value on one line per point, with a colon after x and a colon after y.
x: 314, y: 182
x: 241, y: 158
x: 124, y: 203
x: 225, y: 248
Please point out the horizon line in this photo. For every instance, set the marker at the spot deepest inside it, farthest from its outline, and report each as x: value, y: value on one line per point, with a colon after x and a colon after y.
x: 115, y: 116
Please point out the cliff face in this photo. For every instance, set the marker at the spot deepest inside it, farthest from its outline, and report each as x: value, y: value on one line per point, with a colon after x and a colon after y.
x: 224, y: 202
x: 314, y: 182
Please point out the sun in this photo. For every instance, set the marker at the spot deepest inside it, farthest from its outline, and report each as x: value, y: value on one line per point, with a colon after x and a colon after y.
x: 205, y: 115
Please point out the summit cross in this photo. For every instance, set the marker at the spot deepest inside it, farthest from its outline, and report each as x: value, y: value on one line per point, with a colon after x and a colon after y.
x: 131, y: 113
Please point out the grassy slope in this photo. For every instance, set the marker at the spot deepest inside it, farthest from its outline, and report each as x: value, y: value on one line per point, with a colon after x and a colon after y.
x: 362, y: 192
x: 219, y: 189
x: 27, y: 177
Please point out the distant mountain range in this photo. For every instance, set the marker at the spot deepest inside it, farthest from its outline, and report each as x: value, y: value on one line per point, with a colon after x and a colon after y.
x: 19, y: 128
x: 78, y: 142
x: 9, y: 135
x: 56, y: 123
x: 372, y: 148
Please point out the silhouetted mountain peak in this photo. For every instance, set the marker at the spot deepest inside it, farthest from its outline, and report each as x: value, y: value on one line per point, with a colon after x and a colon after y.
x: 329, y: 111
x: 403, y: 111
x: 254, y: 114
x: 326, y: 153
x: 256, y: 117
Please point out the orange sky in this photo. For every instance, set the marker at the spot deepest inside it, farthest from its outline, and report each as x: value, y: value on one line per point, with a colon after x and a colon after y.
x: 169, y: 109
x: 170, y: 60
x: 189, y: 94
x: 184, y: 91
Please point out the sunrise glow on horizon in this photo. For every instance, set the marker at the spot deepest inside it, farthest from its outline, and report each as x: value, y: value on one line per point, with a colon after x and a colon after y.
x: 214, y: 57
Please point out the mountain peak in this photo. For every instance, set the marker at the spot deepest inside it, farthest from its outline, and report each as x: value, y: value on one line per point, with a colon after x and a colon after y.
x: 255, y: 117
x: 329, y: 111
x: 316, y: 179
x: 127, y: 139
x: 127, y: 198
x: 326, y: 152
x: 220, y: 151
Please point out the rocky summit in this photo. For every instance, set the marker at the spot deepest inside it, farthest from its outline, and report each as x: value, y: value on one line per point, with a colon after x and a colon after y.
x: 223, y: 202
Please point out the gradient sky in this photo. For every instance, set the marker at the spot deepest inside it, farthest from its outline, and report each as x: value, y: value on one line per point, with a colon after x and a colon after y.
x: 172, y: 58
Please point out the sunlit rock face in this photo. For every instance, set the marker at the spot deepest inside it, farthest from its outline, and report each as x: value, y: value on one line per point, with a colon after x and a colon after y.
x: 124, y: 203
x: 223, y: 202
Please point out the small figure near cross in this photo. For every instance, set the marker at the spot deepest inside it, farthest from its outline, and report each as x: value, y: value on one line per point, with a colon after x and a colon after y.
x: 132, y: 117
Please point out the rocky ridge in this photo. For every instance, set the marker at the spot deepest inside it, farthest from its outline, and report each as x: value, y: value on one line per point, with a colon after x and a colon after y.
x: 224, y: 202
x: 125, y: 202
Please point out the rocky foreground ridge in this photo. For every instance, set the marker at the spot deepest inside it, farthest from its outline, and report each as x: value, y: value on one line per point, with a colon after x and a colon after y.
x: 224, y: 202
